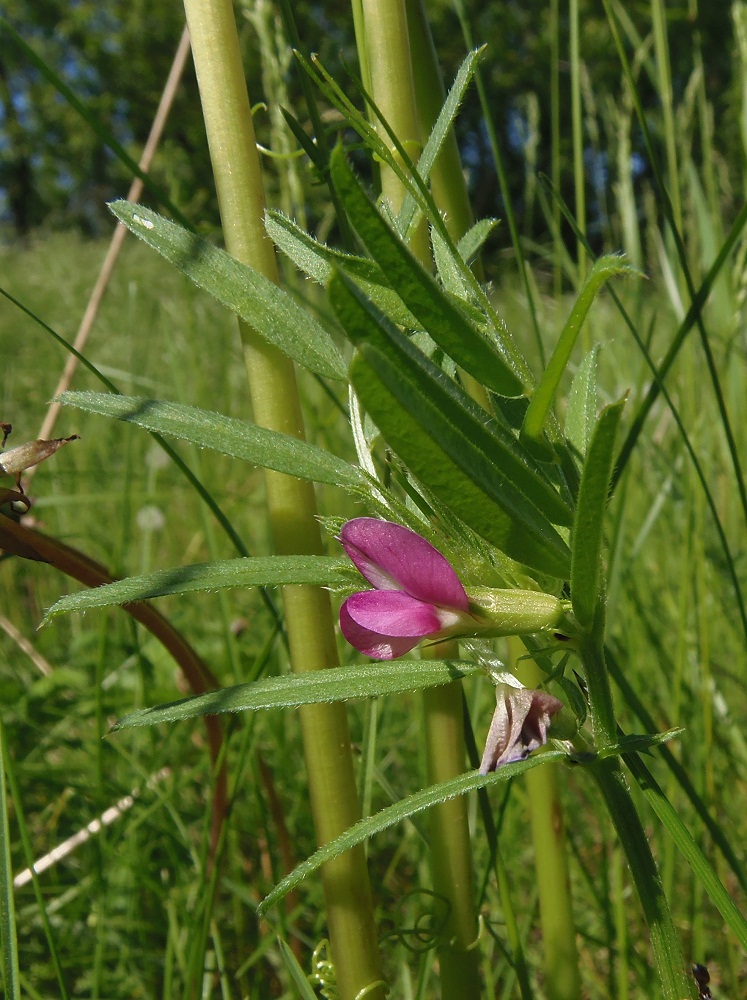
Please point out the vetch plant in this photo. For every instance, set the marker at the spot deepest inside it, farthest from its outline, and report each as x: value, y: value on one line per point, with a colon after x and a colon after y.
x: 456, y: 433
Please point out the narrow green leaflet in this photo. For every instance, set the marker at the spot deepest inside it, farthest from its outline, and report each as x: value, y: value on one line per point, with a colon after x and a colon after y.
x: 471, y: 243
x: 368, y: 680
x: 227, y: 435
x: 319, y: 261
x: 300, y: 979
x: 638, y: 743
x: 315, y: 258
x: 581, y: 412
x: 539, y: 407
x: 449, y: 270
x: 401, y: 810
x: 588, y: 526
x: 449, y: 442
x: 258, y: 571
x: 263, y: 305
x: 409, y: 214
x: 435, y: 311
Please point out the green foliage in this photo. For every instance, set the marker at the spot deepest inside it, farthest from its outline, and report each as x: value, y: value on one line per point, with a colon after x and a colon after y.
x: 275, y: 571
x: 667, y: 583
x: 336, y: 684
x: 269, y: 310
x: 448, y: 442
x: 435, y: 313
x: 539, y: 407
x: 236, y: 438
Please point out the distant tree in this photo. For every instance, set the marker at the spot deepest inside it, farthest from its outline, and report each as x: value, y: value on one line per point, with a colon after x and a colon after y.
x: 115, y: 54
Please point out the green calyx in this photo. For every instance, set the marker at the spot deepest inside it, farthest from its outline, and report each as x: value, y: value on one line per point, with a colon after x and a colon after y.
x: 520, y: 612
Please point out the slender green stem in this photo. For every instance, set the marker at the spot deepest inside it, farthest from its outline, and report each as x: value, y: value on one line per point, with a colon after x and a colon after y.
x: 393, y: 89
x: 608, y: 774
x: 291, y: 504
x: 10, y: 968
x: 555, y: 151
x: 451, y: 861
x: 661, y: 45
x: 562, y: 978
x: 670, y: 964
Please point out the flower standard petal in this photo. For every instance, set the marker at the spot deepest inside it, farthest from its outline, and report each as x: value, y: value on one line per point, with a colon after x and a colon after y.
x: 391, y: 557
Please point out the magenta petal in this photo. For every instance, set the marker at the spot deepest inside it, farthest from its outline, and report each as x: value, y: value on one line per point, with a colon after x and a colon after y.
x: 378, y: 647
x: 392, y: 557
x: 393, y: 613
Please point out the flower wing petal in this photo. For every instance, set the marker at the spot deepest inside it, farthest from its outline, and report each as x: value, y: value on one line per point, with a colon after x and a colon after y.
x: 391, y: 557
x: 392, y: 612
x: 373, y: 644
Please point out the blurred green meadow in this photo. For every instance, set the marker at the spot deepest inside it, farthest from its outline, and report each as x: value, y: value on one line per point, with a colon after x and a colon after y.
x: 135, y: 910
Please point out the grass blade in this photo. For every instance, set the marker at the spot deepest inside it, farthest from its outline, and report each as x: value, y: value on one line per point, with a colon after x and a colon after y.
x: 688, y: 847
x: 11, y: 975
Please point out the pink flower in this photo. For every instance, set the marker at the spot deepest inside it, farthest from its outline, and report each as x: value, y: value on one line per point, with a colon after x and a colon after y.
x: 417, y: 593
x: 520, y: 723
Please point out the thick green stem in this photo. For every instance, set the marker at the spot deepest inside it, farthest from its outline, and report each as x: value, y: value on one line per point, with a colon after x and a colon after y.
x: 393, y: 89
x: 670, y: 964
x: 291, y: 502
x: 451, y: 861
x: 562, y: 978
x: 448, y: 185
x: 447, y: 178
